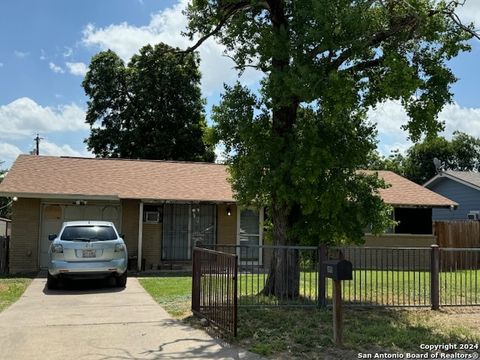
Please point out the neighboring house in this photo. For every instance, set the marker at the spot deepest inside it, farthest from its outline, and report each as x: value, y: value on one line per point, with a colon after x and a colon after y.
x: 460, y: 186
x: 413, y: 204
x: 161, y: 207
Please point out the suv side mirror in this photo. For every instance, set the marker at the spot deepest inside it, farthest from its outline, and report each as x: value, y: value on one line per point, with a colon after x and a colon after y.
x: 122, y: 236
x: 52, y: 237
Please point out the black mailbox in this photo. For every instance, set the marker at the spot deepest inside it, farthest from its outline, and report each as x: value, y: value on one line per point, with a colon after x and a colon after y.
x: 338, y: 269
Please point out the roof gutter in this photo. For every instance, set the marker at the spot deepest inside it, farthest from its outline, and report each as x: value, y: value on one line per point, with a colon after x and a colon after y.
x: 59, y: 196
x: 450, y: 206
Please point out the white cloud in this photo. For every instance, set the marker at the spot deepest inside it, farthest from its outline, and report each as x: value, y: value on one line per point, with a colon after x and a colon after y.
x: 77, y: 68
x: 8, y: 153
x: 390, y: 116
x: 166, y: 26
x: 1, y: 64
x: 24, y: 117
x: 52, y: 149
x: 21, y: 54
x: 55, y: 68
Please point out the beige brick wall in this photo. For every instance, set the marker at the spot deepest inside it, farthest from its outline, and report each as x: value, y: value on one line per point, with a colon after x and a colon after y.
x: 399, y: 240
x: 226, y: 225
x: 25, y: 235
x: 130, y: 225
x: 152, y: 245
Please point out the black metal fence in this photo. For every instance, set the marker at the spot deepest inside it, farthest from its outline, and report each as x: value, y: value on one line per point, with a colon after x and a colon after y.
x: 214, y: 288
x: 4, y: 242
x: 385, y: 276
x: 459, y: 276
x: 299, y: 287
x: 382, y: 276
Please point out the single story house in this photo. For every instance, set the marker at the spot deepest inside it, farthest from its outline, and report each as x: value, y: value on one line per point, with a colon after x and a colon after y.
x: 461, y: 186
x: 161, y: 207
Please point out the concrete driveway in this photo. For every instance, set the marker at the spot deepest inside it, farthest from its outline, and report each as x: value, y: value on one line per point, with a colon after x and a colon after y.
x: 101, y: 323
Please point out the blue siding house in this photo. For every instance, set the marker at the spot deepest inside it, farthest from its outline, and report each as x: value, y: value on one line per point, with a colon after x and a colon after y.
x: 462, y: 187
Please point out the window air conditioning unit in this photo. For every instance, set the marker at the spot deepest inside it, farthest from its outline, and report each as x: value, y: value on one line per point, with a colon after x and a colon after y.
x: 152, y: 217
x: 474, y: 215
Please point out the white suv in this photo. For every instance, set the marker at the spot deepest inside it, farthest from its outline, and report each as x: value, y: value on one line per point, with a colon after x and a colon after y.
x: 87, y: 249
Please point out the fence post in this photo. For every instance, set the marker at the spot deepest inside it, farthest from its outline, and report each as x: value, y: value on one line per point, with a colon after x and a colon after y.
x: 434, y: 277
x: 196, y: 273
x: 235, y: 297
x: 321, y: 286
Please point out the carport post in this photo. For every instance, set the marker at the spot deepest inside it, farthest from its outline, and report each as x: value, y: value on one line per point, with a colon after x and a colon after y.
x: 140, y: 236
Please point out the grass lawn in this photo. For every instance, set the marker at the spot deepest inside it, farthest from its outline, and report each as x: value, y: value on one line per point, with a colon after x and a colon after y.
x: 11, y: 288
x: 173, y: 293
x: 306, y: 333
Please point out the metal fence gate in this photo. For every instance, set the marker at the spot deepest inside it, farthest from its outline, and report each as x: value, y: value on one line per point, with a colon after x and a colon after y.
x: 214, y: 288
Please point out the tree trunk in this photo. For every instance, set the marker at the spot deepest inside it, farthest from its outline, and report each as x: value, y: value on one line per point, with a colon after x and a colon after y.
x: 284, y: 275
x: 283, y: 279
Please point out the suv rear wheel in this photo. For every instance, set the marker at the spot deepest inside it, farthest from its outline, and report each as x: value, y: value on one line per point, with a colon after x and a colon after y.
x: 121, y: 281
x: 52, y: 282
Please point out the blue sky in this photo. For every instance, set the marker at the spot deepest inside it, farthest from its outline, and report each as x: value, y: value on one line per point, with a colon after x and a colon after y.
x: 47, y: 45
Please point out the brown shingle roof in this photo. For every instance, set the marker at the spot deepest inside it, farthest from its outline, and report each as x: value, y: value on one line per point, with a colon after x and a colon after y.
x: 43, y: 176
x: 404, y: 192
x: 48, y: 176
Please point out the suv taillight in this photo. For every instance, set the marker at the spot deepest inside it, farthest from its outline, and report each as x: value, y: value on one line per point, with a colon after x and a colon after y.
x: 57, y: 248
x: 119, y: 247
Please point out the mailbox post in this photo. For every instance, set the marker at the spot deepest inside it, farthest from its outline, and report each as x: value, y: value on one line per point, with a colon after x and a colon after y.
x: 338, y: 270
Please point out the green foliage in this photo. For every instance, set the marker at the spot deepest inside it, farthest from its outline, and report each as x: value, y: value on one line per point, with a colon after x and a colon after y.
x: 324, y: 180
x: 461, y: 153
x: 150, y: 109
x: 394, y: 162
x: 296, y: 148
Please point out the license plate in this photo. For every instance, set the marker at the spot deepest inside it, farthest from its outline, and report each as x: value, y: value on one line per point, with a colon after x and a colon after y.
x: 90, y: 253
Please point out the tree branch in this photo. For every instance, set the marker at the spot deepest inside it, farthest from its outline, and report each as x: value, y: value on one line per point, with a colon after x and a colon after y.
x: 365, y: 65
x: 456, y: 19
x: 230, y: 10
x: 378, y: 38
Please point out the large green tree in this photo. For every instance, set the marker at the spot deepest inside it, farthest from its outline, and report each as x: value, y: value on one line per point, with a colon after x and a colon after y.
x: 338, y: 57
x: 462, y: 152
x: 151, y: 108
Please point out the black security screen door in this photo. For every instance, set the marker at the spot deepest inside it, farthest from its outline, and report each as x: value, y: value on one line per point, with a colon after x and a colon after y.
x: 183, y: 226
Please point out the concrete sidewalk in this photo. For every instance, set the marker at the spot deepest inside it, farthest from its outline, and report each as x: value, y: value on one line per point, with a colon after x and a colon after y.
x: 101, y: 323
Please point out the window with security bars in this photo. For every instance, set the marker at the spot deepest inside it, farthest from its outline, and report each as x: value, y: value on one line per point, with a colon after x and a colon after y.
x: 184, y: 226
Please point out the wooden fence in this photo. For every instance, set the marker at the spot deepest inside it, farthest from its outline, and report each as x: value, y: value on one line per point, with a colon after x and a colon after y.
x: 456, y: 234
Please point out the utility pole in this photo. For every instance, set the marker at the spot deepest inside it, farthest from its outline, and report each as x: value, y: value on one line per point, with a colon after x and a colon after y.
x: 37, y: 142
